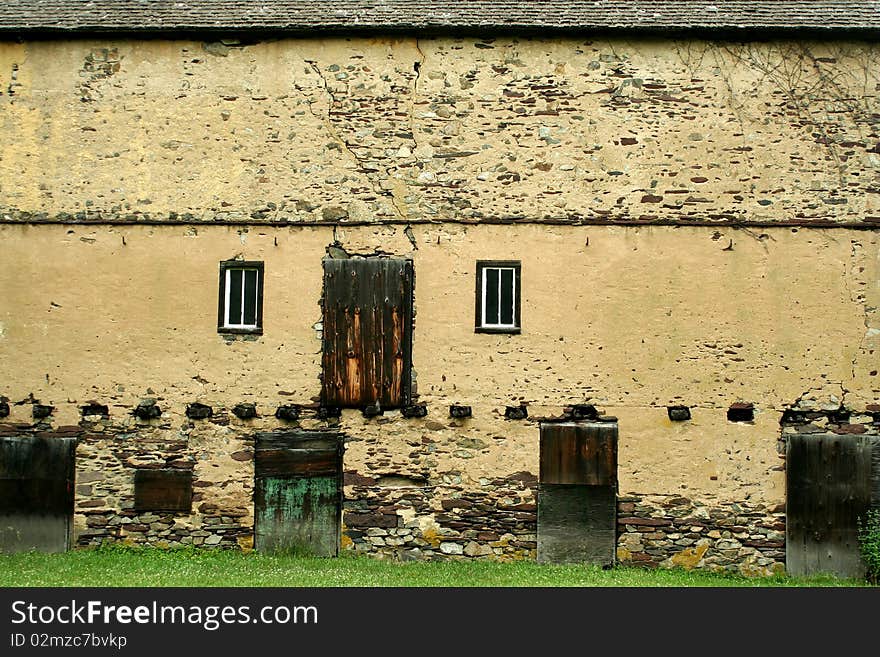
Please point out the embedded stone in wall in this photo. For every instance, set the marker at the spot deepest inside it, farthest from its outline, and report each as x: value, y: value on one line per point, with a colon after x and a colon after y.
x: 147, y: 409
x: 582, y: 412
x: 288, y: 412
x: 678, y: 413
x: 197, y: 411
x: 41, y: 411
x: 327, y: 412
x: 245, y: 411
x: 741, y: 412
x: 671, y: 531
x: 372, y: 410
x: 459, y: 412
x: 416, y: 410
x: 94, y: 408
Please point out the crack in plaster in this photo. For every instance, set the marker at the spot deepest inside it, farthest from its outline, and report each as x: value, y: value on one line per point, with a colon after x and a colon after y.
x: 858, y: 296
x: 328, y: 122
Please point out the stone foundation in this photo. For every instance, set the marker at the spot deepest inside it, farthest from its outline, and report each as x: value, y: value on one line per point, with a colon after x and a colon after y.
x: 443, y: 522
x: 416, y: 514
x: 669, y: 531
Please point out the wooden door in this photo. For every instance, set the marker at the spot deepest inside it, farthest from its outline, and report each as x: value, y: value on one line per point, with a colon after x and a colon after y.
x: 831, y: 481
x: 36, y: 493
x: 298, y: 492
x: 577, y: 493
x: 367, y: 348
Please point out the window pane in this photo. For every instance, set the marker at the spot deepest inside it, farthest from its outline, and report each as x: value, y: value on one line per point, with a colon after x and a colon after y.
x: 491, y: 302
x: 250, y: 297
x: 234, y: 282
x: 507, y: 297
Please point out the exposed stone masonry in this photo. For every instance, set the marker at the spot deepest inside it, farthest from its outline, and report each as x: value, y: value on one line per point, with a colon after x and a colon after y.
x: 441, y: 522
x: 572, y: 131
x: 411, y: 519
x: 672, y: 531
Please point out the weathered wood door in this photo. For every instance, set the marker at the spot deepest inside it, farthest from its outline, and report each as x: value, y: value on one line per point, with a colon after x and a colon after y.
x: 36, y: 493
x: 577, y: 493
x: 368, y: 316
x: 831, y: 481
x: 298, y: 492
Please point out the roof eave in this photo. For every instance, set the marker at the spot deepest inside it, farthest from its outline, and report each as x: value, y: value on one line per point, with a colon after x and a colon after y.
x: 719, y: 32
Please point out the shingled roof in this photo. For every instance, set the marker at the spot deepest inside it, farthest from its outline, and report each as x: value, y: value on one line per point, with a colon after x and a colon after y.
x: 307, y: 16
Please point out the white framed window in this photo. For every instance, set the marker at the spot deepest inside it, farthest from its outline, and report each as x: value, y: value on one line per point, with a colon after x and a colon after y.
x: 240, y: 306
x: 498, y: 296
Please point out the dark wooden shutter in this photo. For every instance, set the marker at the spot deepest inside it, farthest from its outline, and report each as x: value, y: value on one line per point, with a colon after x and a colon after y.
x: 367, y: 350
x: 298, y: 492
x: 577, y: 493
x: 164, y: 490
x: 575, y: 453
x: 36, y: 493
x: 831, y: 481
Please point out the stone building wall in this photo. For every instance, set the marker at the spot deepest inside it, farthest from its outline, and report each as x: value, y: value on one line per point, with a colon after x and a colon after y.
x: 695, y: 223
x: 440, y: 129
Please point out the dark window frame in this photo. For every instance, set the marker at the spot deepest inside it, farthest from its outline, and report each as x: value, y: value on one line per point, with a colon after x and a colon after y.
x: 482, y: 265
x: 225, y: 266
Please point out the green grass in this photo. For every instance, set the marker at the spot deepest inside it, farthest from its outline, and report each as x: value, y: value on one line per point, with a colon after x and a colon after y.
x: 145, y: 567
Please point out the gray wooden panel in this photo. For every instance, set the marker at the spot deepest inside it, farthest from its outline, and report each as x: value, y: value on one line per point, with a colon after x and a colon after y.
x: 577, y: 524
x: 36, y: 493
x: 828, y: 488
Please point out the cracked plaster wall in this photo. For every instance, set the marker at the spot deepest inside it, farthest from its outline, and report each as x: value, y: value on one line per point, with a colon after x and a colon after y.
x: 380, y: 129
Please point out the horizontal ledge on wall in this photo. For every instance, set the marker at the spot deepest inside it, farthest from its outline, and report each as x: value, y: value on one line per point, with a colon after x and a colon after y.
x: 873, y: 224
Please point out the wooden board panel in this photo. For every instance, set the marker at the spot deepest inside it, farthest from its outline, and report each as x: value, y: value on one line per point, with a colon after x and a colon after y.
x: 297, y: 515
x: 577, y: 524
x: 367, y: 347
x: 302, y: 462
x: 579, y: 453
x: 297, y: 452
x: 828, y: 487
x: 298, y: 491
x: 168, y: 490
x: 36, y: 493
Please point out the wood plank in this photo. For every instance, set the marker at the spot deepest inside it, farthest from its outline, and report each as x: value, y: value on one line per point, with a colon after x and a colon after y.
x: 578, y: 453
x: 297, y: 515
x: 163, y: 490
x: 829, y: 486
x: 577, y: 524
x: 27, y: 457
x: 317, y: 439
x: 296, y: 462
x: 367, y: 319
x: 36, y: 493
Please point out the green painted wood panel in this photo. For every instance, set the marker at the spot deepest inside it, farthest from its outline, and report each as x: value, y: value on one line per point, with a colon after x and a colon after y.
x: 299, y: 515
x: 298, y: 491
